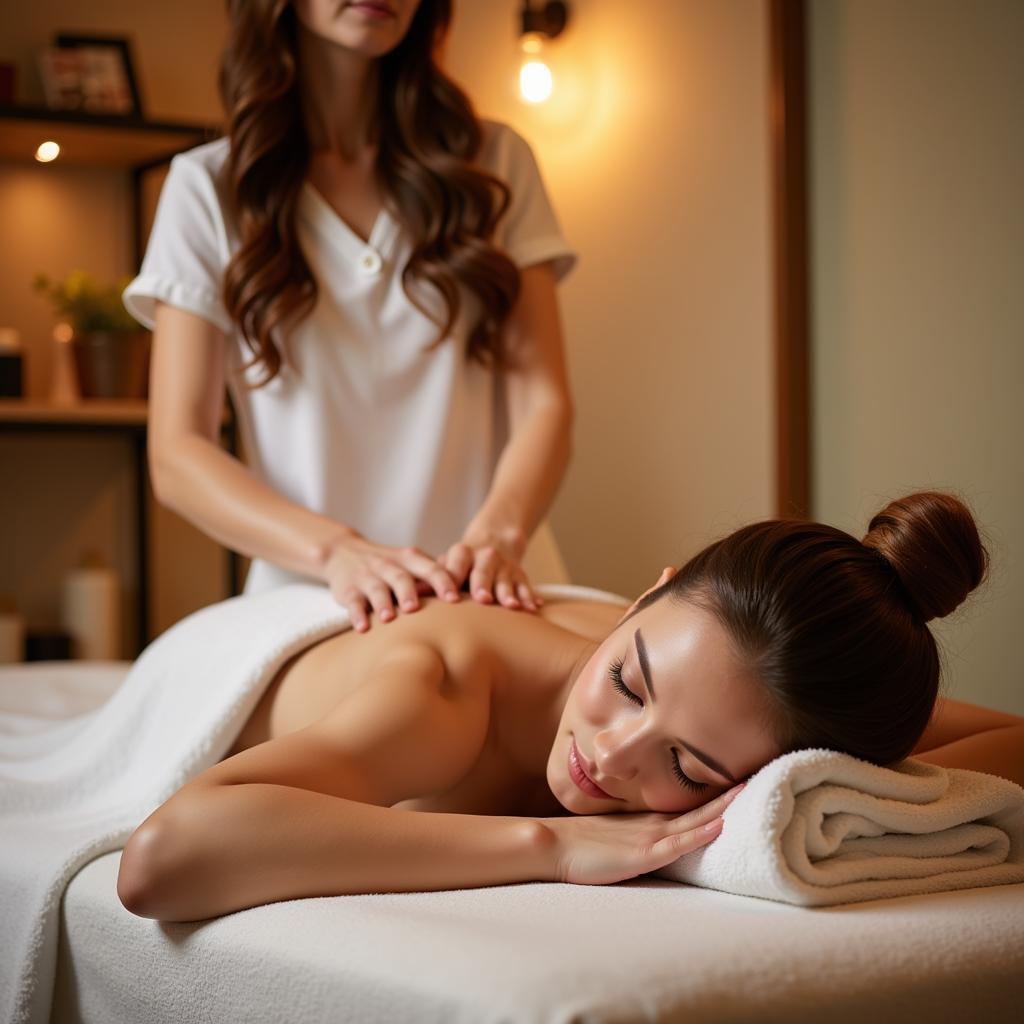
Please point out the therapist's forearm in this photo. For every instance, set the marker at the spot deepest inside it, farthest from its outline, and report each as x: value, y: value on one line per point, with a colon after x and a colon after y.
x: 218, y: 494
x: 528, y: 474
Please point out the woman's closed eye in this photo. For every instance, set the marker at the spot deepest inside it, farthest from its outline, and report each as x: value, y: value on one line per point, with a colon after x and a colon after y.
x: 684, y: 780
x: 615, y: 671
x: 619, y: 685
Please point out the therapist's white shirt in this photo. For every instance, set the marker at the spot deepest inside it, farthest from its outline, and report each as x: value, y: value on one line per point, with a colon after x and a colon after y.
x: 365, y: 422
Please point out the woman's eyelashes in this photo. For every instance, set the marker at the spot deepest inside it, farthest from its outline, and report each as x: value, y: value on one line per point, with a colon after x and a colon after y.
x: 615, y: 671
x: 684, y: 780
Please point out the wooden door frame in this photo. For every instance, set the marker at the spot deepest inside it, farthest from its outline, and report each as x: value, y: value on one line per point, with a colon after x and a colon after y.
x: 788, y: 114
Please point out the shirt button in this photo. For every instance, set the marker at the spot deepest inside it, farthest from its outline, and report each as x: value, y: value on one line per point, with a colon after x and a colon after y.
x: 370, y: 263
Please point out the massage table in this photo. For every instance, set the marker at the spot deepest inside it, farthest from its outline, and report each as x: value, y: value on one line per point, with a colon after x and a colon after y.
x: 646, y: 950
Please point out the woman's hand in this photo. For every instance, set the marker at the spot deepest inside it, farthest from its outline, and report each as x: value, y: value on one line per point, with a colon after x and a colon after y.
x: 599, y: 849
x: 490, y: 561
x: 388, y: 580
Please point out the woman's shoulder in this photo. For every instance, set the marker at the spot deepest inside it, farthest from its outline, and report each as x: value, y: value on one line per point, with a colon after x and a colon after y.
x: 198, y: 173
x: 194, y: 195
x: 502, y: 149
x: 208, y: 158
x: 593, y: 619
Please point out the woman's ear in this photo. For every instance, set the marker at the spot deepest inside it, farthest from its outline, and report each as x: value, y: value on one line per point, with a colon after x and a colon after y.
x: 666, y: 574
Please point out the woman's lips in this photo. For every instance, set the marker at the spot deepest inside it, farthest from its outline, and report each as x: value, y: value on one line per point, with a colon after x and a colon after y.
x: 372, y: 10
x: 579, y: 775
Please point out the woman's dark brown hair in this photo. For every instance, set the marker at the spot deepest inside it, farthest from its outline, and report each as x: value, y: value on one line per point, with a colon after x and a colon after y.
x: 428, y: 139
x: 835, y: 628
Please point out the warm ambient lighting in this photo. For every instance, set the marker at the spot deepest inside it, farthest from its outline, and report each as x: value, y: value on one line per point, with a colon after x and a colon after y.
x: 539, y: 25
x: 63, y: 332
x: 47, y: 151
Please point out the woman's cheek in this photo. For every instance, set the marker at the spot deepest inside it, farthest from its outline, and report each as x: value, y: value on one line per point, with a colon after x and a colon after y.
x: 661, y: 798
x: 668, y: 798
x: 593, y: 698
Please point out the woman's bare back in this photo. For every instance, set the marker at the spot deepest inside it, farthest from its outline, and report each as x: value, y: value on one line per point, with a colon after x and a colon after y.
x: 318, y: 680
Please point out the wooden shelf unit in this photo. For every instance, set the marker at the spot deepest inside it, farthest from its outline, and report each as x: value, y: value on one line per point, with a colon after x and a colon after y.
x: 91, y: 412
x: 93, y: 140
x: 126, y: 417
x: 136, y: 147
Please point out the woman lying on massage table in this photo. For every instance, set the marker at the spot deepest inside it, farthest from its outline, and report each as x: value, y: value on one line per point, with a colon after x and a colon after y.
x: 471, y: 745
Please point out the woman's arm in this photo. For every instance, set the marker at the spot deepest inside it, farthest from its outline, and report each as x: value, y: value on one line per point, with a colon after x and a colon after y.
x: 535, y: 458
x: 195, y: 477
x: 308, y: 814
x: 967, y: 736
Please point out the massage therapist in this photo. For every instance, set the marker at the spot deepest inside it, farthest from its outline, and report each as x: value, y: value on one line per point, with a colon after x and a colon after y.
x: 370, y: 270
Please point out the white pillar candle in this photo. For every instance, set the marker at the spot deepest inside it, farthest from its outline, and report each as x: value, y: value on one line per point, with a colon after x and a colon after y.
x: 91, y: 613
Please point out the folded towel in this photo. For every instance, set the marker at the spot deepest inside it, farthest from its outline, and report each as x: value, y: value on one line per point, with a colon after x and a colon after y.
x: 816, y: 828
x: 78, y: 790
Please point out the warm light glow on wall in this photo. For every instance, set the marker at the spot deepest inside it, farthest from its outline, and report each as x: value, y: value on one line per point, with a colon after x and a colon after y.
x: 591, y: 80
x: 47, y: 151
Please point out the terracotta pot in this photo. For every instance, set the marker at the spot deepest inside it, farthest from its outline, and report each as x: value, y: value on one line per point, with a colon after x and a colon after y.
x: 112, y: 364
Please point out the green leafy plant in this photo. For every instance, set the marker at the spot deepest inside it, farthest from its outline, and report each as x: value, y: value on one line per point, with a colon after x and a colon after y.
x: 87, y: 304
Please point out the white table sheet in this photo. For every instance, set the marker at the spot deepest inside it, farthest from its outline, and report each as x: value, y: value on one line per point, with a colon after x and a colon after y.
x: 527, y: 954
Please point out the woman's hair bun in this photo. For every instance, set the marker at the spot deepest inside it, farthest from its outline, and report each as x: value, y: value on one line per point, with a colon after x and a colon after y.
x: 931, y: 541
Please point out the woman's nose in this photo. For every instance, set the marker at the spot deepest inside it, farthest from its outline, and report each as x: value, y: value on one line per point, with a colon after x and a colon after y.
x: 615, y: 752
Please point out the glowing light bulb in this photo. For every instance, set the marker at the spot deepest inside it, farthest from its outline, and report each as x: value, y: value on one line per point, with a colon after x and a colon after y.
x: 47, y: 151
x: 535, y: 81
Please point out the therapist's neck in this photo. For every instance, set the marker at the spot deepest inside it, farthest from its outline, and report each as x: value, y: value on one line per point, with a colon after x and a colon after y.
x: 339, y: 96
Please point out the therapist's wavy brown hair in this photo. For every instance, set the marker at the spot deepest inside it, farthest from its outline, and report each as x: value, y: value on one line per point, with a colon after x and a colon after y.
x: 835, y: 629
x: 429, y: 137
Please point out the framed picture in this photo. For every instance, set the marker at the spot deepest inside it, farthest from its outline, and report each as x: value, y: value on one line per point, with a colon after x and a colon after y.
x: 90, y: 74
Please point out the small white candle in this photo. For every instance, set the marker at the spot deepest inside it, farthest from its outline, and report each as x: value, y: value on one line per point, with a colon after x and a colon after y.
x: 91, y: 612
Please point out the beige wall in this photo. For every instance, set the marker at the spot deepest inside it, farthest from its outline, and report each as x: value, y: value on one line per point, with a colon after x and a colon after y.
x: 656, y: 155
x: 918, y: 154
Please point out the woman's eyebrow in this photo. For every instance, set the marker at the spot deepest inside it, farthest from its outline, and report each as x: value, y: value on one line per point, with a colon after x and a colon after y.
x: 645, y: 671
x: 645, y: 665
x: 707, y: 760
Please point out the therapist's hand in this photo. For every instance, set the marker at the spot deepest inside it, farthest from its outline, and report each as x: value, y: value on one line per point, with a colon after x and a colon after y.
x: 362, y: 575
x: 490, y: 561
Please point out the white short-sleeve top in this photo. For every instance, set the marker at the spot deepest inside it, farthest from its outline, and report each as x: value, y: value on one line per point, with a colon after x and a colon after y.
x: 365, y: 422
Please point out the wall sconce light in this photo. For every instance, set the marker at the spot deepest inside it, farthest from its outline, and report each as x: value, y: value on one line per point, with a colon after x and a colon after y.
x: 47, y: 151
x: 539, y: 25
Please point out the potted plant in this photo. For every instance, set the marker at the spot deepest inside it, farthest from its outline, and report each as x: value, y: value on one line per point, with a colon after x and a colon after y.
x: 111, y: 350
